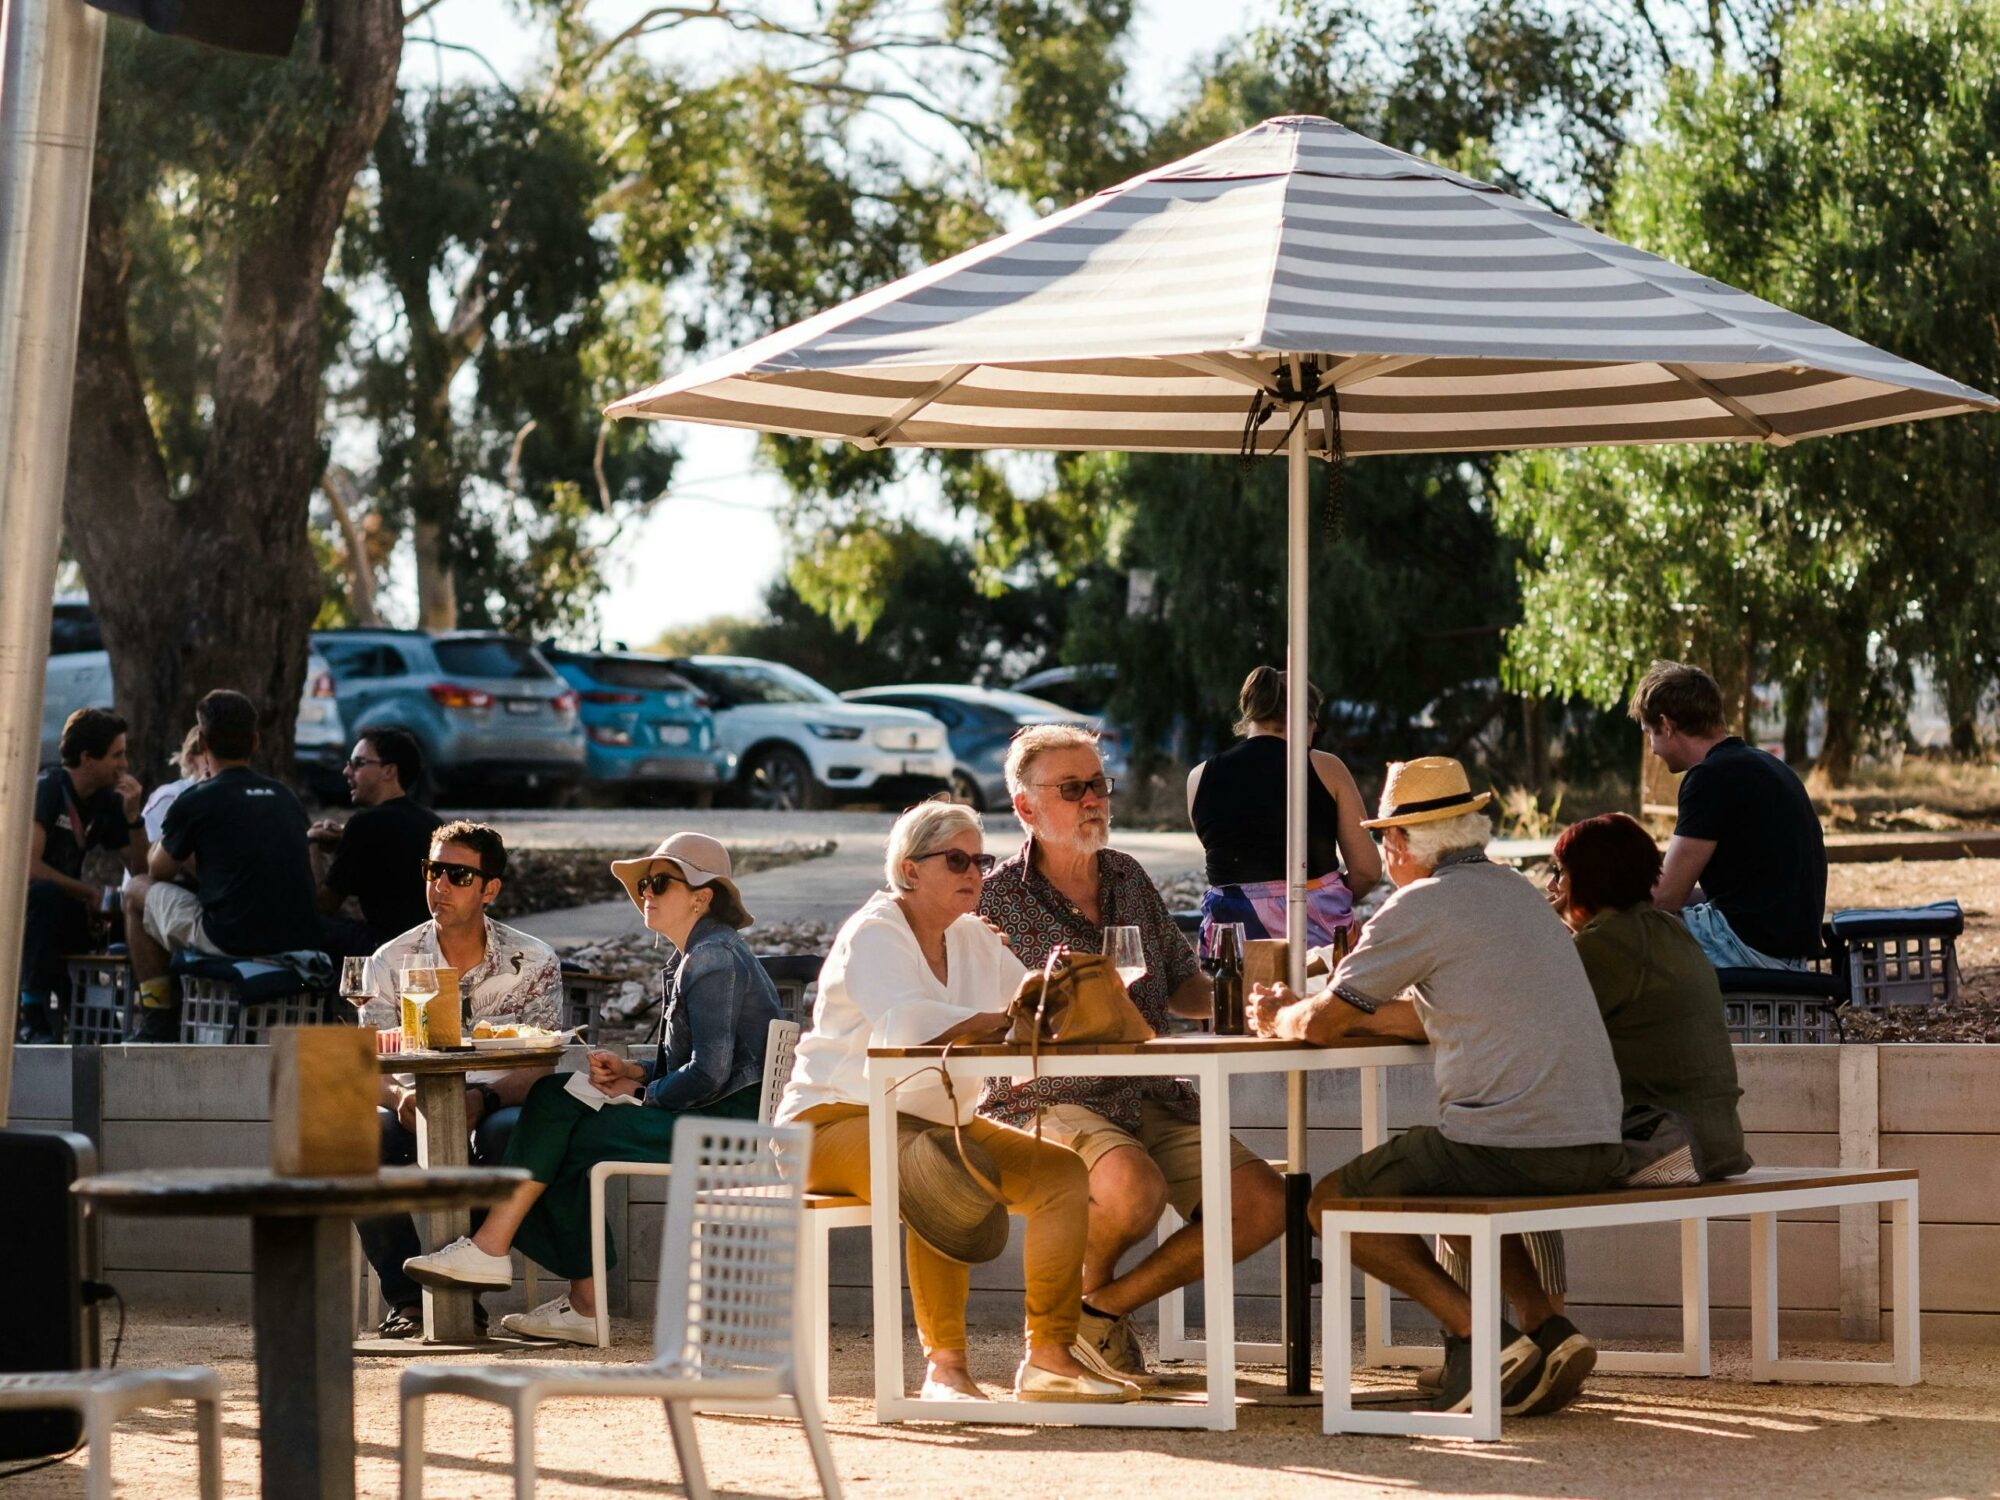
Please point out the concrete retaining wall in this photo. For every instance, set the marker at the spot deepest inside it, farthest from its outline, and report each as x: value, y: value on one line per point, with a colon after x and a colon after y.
x: 1925, y: 1106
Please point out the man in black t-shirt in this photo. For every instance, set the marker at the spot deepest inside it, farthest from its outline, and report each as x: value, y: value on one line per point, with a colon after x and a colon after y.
x: 378, y: 857
x: 88, y: 802
x: 246, y: 835
x: 1746, y: 831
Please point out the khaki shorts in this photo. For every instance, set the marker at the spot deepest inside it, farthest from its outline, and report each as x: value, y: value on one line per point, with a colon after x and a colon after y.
x: 1173, y: 1143
x: 173, y: 919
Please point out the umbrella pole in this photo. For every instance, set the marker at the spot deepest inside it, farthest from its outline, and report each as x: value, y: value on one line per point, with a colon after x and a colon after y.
x: 1296, y: 1308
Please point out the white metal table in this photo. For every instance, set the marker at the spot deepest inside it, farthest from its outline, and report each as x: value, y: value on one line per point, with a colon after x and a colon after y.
x: 1209, y: 1062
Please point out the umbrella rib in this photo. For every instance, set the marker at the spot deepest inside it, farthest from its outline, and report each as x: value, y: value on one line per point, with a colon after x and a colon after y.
x: 1212, y: 364
x: 1365, y: 367
x: 1728, y: 403
x: 880, y: 434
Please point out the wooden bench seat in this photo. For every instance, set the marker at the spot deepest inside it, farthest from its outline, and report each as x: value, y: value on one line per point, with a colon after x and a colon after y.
x: 1760, y: 1195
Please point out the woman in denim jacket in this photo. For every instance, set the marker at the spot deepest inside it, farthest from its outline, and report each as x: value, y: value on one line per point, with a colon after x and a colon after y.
x: 719, y: 1005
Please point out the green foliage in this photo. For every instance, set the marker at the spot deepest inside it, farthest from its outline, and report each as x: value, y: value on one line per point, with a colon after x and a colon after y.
x: 1865, y: 196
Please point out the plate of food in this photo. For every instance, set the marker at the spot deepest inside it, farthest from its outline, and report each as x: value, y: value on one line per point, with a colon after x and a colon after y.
x: 504, y: 1036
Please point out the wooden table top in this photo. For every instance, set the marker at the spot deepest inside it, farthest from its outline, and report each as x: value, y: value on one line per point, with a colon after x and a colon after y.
x: 258, y: 1192
x: 1195, y: 1045
x: 495, y: 1060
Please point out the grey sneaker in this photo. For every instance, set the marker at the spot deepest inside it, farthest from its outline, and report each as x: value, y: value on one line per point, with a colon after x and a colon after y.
x: 1108, y: 1347
x: 1520, y: 1366
x: 1567, y: 1358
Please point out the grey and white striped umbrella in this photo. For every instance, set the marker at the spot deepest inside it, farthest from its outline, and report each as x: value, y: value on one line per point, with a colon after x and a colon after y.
x: 1448, y: 315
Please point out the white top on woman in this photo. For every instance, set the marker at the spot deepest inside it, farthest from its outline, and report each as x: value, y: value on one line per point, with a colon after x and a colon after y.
x: 877, y: 990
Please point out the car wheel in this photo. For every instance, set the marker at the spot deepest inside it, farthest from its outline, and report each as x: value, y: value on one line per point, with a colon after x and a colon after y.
x: 778, y: 779
x: 965, y: 789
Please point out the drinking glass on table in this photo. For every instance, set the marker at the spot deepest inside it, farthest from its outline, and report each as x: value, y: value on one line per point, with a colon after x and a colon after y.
x: 417, y: 987
x: 354, y: 986
x: 1127, y: 954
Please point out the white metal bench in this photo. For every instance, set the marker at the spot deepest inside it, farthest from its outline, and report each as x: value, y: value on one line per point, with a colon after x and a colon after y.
x: 1761, y: 1195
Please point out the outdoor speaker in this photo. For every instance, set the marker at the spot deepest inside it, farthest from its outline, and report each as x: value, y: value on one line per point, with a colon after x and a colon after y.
x: 263, y: 27
x: 42, y: 1260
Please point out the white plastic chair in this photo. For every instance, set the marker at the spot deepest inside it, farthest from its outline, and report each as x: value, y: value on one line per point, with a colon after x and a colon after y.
x: 781, y: 1040
x: 101, y: 1397
x: 729, y: 1326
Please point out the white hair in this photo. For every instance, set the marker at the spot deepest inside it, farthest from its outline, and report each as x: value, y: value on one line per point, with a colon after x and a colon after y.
x: 925, y: 828
x: 1430, y: 842
x: 1037, y: 740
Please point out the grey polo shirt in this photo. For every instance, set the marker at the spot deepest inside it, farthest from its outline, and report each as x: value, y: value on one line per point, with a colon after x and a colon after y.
x: 1522, y: 1058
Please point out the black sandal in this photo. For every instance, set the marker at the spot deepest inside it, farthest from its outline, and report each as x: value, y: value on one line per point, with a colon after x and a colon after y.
x: 401, y: 1323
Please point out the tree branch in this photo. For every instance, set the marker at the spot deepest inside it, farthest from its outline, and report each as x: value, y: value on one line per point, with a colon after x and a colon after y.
x: 425, y: 8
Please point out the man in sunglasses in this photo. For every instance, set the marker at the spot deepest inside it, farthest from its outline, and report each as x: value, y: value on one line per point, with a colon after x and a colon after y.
x: 1140, y: 1137
x: 375, y: 855
x: 503, y: 974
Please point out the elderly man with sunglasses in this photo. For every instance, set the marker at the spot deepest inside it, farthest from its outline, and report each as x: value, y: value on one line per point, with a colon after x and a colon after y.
x: 1140, y: 1138
x: 502, y: 974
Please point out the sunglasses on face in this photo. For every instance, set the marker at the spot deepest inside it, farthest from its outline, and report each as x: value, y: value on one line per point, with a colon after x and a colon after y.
x: 356, y: 762
x: 460, y: 876
x: 958, y: 861
x: 1076, y: 791
x: 656, y: 885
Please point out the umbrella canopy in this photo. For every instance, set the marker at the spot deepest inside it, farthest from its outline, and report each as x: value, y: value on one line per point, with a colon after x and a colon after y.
x: 1448, y: 315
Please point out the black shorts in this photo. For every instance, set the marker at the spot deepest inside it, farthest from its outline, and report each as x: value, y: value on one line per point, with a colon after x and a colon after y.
x: 1423, y: 1163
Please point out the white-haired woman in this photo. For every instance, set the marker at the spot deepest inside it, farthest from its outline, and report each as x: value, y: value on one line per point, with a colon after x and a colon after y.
x: 916, y: 966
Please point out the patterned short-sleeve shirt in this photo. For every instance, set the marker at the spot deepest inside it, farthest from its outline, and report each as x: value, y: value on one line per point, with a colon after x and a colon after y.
x: 1037, y: 917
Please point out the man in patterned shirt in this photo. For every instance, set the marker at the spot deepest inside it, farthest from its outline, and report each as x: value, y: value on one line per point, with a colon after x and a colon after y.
x: 1140, y: 1137
x: 502, y: 975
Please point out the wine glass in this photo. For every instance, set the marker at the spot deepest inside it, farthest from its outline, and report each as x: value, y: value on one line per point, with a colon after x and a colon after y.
x: 417, y: 987
x: 1127, y: 954
x: 354, y: 986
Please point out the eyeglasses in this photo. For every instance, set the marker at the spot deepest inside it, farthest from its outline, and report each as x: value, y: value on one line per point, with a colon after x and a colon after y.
x: 356, y: 762
x: 1076, y: 791
x: 656, y: 885
x: 958, y: 861
x: 460, y: 876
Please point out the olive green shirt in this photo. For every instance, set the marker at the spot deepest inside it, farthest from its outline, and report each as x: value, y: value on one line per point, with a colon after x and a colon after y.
x: 1662, y: 1008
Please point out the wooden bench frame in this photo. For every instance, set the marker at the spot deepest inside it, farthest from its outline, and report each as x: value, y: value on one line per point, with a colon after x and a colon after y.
x: 1761, y: 1194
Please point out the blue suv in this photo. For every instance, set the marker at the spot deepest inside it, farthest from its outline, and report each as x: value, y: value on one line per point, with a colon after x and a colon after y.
x: 485, y: 707
x: 645, y: 726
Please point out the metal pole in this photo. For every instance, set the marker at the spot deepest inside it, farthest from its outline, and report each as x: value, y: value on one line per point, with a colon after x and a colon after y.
x: 1297, y: 1301
x: 51, y: 52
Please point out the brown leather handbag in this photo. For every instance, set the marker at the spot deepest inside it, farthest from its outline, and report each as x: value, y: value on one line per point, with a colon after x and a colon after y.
x: 1077, y: 997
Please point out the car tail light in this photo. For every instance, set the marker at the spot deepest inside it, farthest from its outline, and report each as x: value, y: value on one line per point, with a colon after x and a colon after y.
x: 610, y: 734
x: 598, y: 696
x: 566, y: 702
x: 323, y: 685
x: 451, y: 695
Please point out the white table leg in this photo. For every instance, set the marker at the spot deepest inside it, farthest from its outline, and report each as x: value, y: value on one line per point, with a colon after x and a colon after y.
x: 887, y: 1248
x: 1217, y: 1248
x: 1485, y: 1271
x: 1763, y: 1296
x: 1694, y: 1297
x: 1908, y: 1311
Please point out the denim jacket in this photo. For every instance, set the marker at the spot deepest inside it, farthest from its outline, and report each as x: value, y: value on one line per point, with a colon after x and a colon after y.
x: 719, y: 1008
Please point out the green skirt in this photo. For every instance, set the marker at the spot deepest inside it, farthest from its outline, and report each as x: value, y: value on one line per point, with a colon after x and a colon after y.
x: 560, y: 1138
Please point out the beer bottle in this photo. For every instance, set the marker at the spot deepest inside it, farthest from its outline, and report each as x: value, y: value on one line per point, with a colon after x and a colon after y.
x: 1229, y: 1017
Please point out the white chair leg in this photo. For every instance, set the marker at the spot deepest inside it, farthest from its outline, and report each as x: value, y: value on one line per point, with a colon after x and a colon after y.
x: 597, y: 1267
x: 208, y: 1441
x: 1485, y: 1277
x: 524, y: 1453
x: 680, y: 1423
x: 822, y: 1451
x: 97, y: 1424
x: 817, y: 1324
x: 413, y: 1448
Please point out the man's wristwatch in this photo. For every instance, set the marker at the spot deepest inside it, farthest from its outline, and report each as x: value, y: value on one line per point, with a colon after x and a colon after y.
x: 489, y: 1100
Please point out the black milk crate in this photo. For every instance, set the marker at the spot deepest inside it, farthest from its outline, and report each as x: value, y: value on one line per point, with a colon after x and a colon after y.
x: 100, y: 999
x: 792, y: 974
x: 1900, y: 955
x: 1780, y: 1005
x: 226, y: 1000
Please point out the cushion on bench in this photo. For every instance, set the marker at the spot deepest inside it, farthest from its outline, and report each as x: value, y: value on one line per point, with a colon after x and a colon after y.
x: 1804, y: 984
x: 1942, y: 918
x: 257, y: 979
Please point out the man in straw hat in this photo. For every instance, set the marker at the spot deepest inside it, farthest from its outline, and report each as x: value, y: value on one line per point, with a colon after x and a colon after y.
x: 1528, y: 1095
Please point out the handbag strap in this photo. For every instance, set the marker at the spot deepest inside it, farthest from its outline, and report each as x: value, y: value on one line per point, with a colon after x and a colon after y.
x: 986, y: 1185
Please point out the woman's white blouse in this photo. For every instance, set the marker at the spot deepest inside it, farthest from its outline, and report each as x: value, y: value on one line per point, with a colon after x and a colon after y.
x: 876, y: 990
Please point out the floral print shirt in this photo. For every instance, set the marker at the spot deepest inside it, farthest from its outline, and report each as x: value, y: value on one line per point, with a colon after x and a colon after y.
x: 1037, y: 917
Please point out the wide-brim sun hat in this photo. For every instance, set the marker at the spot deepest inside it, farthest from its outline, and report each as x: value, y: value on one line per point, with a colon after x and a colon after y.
x: 1426, y: 790
x: 941, y: 1202
x: 703, y: 862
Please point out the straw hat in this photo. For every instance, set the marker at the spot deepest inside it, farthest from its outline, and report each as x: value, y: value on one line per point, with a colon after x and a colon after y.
x: 1425, y: 791
x: 702, y: 861
x: 942, y: 1204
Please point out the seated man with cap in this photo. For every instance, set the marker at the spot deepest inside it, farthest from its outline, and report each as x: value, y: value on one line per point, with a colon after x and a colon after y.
x: 1528, y: 1094
x: 708, y: 1059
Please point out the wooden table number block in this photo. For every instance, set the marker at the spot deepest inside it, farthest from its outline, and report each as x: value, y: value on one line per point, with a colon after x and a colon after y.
x: 1264, y: 962
x: 444, y: 1011
x: 323, y: 1088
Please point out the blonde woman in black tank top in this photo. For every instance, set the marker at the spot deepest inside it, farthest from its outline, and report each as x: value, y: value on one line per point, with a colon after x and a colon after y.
x: 1236, y: 804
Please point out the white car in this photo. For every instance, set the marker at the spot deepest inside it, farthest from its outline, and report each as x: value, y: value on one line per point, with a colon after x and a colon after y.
x: 798, y: 744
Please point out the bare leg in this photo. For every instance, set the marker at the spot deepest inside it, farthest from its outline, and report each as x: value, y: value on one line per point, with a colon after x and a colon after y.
x: 1405, y: 1262
x: 1257, y: 1196
x: 583, y: 1296
x: 496, y: 1235
x: 1127, y: 1197
x: 1519, y: 1280
x: 947, y: 1367
x: 149, y: 959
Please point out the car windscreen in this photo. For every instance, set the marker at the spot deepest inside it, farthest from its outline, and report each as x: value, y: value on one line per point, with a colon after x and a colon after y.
x: 642, y: 676
x: 491, y: 656
x: 1023, y: 706
x: 734, y: 684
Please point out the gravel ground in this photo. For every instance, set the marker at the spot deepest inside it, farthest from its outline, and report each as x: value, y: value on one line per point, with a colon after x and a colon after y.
x: 1628, y: 1437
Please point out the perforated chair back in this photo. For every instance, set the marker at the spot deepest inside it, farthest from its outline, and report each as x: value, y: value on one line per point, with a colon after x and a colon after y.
x: 729, y: 1257
x: 780, y: 1043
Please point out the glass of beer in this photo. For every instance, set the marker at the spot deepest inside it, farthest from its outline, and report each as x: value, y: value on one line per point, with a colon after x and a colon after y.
x: 418, y: 987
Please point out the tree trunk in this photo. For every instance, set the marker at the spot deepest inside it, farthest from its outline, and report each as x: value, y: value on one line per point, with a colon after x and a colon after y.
x: 343, y: 495
x: 437, y: 590
x: 218, y: 587
x: 1798, y: 722
x: 1960, y: 689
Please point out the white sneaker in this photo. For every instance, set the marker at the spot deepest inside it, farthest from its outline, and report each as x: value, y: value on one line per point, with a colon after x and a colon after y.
x: 1034, y: 1384
x: 554, y: 1319
x: 461, y: 1263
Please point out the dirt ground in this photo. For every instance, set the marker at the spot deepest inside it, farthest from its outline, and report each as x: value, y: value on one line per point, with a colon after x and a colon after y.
x: 1629, y: 1438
